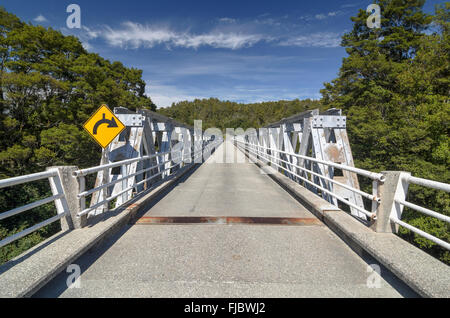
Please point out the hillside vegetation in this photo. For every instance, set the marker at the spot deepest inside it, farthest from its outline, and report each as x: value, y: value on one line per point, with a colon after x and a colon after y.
x: 226, y: 114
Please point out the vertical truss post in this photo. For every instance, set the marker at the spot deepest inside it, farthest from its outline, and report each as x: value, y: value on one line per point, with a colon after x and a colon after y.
x: 286, y: 130
x: 166, y: 147
x: 322, y: 136
x: 275, y: 143
x: 148, y: 142
x: 143, y: 129
x: 305, y: 146
x: 265, y: 144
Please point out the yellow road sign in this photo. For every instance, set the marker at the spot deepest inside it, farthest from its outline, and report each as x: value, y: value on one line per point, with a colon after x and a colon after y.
x: 103, y: 126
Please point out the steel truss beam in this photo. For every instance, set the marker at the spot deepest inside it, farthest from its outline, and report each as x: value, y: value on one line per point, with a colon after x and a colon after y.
x: 319, y: 135
x: 147, y: 133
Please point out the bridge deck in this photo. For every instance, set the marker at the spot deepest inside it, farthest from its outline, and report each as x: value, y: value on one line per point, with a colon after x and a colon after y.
x: 236, y: 260
x: 228, y: 189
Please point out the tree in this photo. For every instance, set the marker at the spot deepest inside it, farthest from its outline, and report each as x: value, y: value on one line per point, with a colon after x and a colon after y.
x: 226, y: 114
x: 393, y: 86
x: 49, y: 86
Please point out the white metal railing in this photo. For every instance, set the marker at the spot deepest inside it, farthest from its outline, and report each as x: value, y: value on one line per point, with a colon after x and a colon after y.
x: 261, y: 151
x: 400, y: 202
x: 181, y: 156
x: 58, y: 197
x: 399, y: 198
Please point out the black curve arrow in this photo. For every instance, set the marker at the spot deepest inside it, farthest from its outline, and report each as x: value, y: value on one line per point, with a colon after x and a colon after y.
x: 111, y: 123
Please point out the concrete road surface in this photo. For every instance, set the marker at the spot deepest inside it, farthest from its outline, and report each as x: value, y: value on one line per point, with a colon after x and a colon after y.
x: 223, y: 260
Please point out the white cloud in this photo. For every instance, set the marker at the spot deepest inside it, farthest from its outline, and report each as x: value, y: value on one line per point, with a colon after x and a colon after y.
x: 165, y: 95
x: 350, y: 5
x: 320, y: 16
x: 87, y: 46
x: 268, y: 21
x: 218, y: 40
x: 90, y: 34
x: 136, y: 35
x: 323, y: 16
x: 227, y: 20
x: 320, y: 39
x: 228, y: 33
x: 40, y: 18
x: 229, y: 67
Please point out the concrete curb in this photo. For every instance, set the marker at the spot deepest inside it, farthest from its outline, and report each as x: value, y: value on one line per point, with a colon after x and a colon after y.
x: 26, y: 274
x: 423, y: 273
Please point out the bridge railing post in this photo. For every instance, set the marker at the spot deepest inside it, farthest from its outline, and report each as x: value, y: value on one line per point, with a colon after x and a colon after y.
x: 392, y: 188
x: 71, y: 188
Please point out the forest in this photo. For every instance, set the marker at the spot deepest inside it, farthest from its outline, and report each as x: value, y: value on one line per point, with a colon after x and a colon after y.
x: 393, y: 86
x: 226, y: 114
x: 49, y: 86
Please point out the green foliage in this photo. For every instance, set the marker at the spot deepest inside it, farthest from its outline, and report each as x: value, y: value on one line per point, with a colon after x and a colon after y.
x: 226, y: 114
x: 394, y: 88
x: 49, y: 86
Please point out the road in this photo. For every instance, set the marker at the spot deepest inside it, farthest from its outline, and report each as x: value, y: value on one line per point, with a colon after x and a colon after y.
x: 232, y: 259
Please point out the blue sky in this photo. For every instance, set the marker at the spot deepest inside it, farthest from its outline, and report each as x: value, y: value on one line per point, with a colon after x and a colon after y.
x: 244, y: 51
